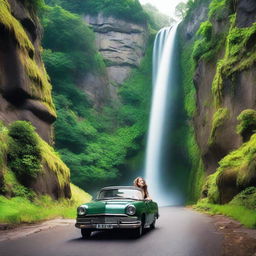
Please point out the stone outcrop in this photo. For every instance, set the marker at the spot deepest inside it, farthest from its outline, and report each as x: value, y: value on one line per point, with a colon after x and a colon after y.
x: 25, y: 92
x: 238, y: 93
x: 122, y: 45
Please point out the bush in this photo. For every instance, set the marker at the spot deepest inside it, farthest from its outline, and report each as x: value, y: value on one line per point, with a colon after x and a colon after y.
x: 24, y: 156
x: 247, y: 123
x: 246, y: 198
x: 130, y: 10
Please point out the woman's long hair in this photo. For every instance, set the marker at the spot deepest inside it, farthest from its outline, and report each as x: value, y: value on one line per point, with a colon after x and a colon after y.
x: 144, y: 188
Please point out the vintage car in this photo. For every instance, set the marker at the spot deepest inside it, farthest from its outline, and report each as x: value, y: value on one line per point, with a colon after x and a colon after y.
x: 119, y: 207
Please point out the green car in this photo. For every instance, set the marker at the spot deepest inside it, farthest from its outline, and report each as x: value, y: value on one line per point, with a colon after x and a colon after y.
x: 119, y: 207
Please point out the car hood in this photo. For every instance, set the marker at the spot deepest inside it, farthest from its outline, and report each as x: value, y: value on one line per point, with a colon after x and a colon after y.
x: 107, y: 206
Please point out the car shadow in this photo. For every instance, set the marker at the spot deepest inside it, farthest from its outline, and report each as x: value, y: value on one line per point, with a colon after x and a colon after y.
x: 117, y: 235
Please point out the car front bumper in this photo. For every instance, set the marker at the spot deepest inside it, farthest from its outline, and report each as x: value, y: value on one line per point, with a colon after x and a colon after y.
x: 114, y: 226
x: 114, y: 222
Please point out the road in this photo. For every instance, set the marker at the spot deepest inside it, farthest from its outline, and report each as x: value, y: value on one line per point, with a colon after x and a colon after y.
x: 179, y: 232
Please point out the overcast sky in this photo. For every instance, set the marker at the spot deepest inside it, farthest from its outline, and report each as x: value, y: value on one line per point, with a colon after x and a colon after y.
x: 165, y: 6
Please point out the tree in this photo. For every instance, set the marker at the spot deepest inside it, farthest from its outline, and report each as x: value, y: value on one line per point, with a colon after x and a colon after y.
x: 180, y: 10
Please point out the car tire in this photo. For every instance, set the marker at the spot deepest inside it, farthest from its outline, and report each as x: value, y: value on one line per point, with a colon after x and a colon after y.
x: 138, y: 232
x: 153, y: 224
x: 86, y: 234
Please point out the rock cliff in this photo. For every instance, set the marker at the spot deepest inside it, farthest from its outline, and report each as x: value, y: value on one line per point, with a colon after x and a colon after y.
x: 224, y: 79
x: 25, y: 94
x: 122, y: 45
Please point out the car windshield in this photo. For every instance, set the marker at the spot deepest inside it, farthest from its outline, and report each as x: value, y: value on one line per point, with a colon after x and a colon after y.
x: 120, y: 194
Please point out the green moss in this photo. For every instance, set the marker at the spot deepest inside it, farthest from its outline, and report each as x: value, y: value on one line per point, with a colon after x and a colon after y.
x: 14, y: 27
x: 218, y: 9
x: 39, y: 85
x: 219, y: 117
x: 12, y: 186
x: 243, y: 162
x: 197, y: 172
x: 246, y: 198
x: 188, y: 69
x: 52, y: 161
x: 3, y: 146
x: 240, y: 54
x: 211, y: 188
x: 247, y: 121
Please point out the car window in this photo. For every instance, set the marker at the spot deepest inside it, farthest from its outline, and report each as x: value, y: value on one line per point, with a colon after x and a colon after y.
x: 121, y: 193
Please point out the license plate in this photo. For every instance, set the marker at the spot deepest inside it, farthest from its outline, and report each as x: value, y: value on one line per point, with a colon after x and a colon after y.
x: 104, y: 226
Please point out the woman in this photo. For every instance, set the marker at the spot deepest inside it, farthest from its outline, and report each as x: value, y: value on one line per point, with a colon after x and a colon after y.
x: 141, y: 183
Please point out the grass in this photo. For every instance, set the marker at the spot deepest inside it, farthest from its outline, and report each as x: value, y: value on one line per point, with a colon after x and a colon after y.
x: 21, y: 210
x: 245, y: 216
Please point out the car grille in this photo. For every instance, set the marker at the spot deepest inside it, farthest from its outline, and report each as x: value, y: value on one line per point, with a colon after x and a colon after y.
x: 106, y: 219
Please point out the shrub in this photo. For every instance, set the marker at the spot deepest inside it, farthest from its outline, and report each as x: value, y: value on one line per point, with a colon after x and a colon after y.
x: 246, y: 198
x: 247, y: 123
x: 24, y: 157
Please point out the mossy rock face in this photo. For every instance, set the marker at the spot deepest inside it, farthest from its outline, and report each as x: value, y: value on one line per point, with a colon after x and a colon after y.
x: 29, y: 165
x: 24, y: 82
x: 247, y: 123
x: 246, y: 198
x: 237, y: 171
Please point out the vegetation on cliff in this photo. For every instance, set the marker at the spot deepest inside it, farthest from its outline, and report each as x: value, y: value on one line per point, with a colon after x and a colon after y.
x: 123, y: 9
x: 94, y: 143
x: 23, y: 156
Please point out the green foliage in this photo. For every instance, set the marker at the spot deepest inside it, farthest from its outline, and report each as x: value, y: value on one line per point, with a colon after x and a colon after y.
x: 246, y: 198
x: 210, y: 187
x: 12, y: 187
x: 197, y: 172
x: 24, y: 156
x: 187, y: 69
x: 34, y: 5
x: 246, y: 216
x: 219, y: 117
x: 247, y: 122
x: 3, y: 146
x: 94, y: 143
x: 219, y: 9
x: 130, y: 10
x: 242, y: 161
x: 240, y: 54
x: 22, y: 210
x: 95, y: 148
x: 208, y: 43
x: 71, y: 43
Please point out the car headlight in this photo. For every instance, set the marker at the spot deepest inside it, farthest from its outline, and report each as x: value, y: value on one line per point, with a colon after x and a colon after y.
x: 130, y: 209
x: 81, y: 210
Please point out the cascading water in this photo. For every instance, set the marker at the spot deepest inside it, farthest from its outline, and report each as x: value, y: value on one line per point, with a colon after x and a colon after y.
x: 163, y: 79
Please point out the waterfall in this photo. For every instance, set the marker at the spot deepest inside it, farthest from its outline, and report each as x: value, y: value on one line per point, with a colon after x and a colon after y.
x: 163, y: 78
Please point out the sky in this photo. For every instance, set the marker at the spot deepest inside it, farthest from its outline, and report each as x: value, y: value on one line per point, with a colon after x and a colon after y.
x: 165, y: 6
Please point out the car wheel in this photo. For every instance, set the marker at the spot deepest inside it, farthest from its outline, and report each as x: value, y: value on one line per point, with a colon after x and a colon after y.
x: 153, y: 224
x: 138, y: 232
x: 85, y: 233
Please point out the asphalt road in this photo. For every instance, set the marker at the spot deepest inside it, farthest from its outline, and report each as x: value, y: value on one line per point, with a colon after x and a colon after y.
x: 178, y: 232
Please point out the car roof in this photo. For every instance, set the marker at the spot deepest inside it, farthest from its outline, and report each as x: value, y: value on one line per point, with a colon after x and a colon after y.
x: 121, y: 187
